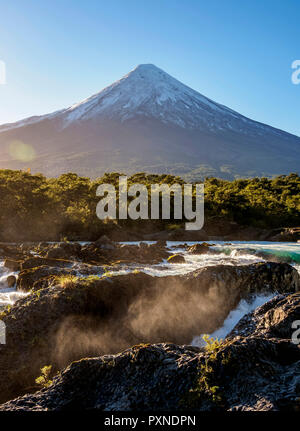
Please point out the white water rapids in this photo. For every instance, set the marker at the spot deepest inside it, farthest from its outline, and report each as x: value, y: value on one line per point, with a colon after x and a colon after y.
x: 8, y: 295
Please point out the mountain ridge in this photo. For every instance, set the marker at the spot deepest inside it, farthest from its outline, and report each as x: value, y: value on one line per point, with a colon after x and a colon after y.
x: 150, y: 121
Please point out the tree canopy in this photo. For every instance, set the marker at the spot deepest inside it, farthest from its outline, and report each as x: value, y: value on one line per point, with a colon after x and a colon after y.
x: 34, y: 207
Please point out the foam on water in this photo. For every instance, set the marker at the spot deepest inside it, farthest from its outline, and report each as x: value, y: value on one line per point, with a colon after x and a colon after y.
x: 284, y: 250
x: 233, y: 253
x: 192, y: 263
x: 240, y: 253
x: 8, y: 295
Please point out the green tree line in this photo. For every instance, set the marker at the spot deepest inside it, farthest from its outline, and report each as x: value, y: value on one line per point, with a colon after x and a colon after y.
x: 34, y: 207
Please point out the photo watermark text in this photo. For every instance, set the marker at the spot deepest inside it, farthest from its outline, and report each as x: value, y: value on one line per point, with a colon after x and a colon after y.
x: 133, y: 202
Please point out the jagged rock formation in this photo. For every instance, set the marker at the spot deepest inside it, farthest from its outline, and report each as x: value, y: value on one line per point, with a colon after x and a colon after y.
x: 256, y: 368
x: 75, y: 318
x: 149, y: 121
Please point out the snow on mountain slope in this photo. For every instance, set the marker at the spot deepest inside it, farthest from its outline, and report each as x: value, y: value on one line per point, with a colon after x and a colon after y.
x: 150, y: 92
x: 149, y: 120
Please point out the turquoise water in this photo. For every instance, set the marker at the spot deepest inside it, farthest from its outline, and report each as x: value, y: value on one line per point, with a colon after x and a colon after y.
x: 281, y: 249
x: 287, y: 251
x: 228, y: 253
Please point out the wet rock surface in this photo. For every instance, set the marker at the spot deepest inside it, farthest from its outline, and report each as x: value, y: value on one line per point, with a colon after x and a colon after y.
x: 287, y: 234
x: 11, y: 280
x: 13, y: 265
x: 176, y: 258
x: 203, y: 248
x: 65, y: 319
x: 28, y: 277
x: 256, y: 368
x: 108, y: 252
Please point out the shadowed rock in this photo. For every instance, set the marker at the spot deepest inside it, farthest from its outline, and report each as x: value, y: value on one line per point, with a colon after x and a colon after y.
x: 176, y: 258
x: 91, y: 317
x: 257, y: 368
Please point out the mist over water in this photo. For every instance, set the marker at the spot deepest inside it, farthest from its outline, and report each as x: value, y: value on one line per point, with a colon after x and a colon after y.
x: 8, y: 295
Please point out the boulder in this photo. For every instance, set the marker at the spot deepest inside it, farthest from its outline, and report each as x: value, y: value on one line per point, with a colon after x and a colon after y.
x: 56, y: 253
x: 13, y: 252
x: 11, y: 280
x: 45, y: 282
x: 287, y: 235
x: 272, y: 320
x: 103, y: 240
x: 255, y: 369
x: 27, y: 277
x: 34, y: 262
x: 12, y: 265
x: 104, y: 243
x: 161, y: 243
x: 176, y: 258
x: 199, y: 248
x: 145, y: 377
x: 127, y: 253
x: 63, y: 250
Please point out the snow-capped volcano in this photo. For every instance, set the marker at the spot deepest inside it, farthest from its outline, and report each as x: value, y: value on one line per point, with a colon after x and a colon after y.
x: 148, y: 91
x: 150, y: 121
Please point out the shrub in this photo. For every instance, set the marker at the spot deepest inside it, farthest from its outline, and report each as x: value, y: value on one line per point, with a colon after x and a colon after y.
x: 43, y: 381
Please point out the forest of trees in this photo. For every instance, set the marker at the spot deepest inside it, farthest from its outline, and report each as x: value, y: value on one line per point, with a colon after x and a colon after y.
x: 34, y: 207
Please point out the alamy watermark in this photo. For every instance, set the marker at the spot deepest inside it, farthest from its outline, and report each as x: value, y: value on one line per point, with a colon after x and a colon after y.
x: 2, y: 332
x: 296, y: 334
x: 296, y: 73
x: 2, y: 73
x: 134, y: 202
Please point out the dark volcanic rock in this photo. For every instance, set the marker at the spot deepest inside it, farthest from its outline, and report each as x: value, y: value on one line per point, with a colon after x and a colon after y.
x: 13, y: 265
x: 106, y: 252
x: 28, y: 277
x: 47, y: 281
x: 33, y: 262
x: 288, y: 234
x: 11, y: 280
x: 14, y: 252
x: 64, y: 250
x: 104, y: 241
x: 256, y: 369
x: 199, y: 249
x: 142, y: 378
x: 272, y: 320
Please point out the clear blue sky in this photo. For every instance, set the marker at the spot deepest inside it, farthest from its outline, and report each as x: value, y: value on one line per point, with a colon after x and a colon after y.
x: 238, y: 53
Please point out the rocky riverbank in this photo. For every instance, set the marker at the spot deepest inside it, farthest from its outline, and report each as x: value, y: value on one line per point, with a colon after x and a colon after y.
x: 256, y: 368
x: 79, y: 304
